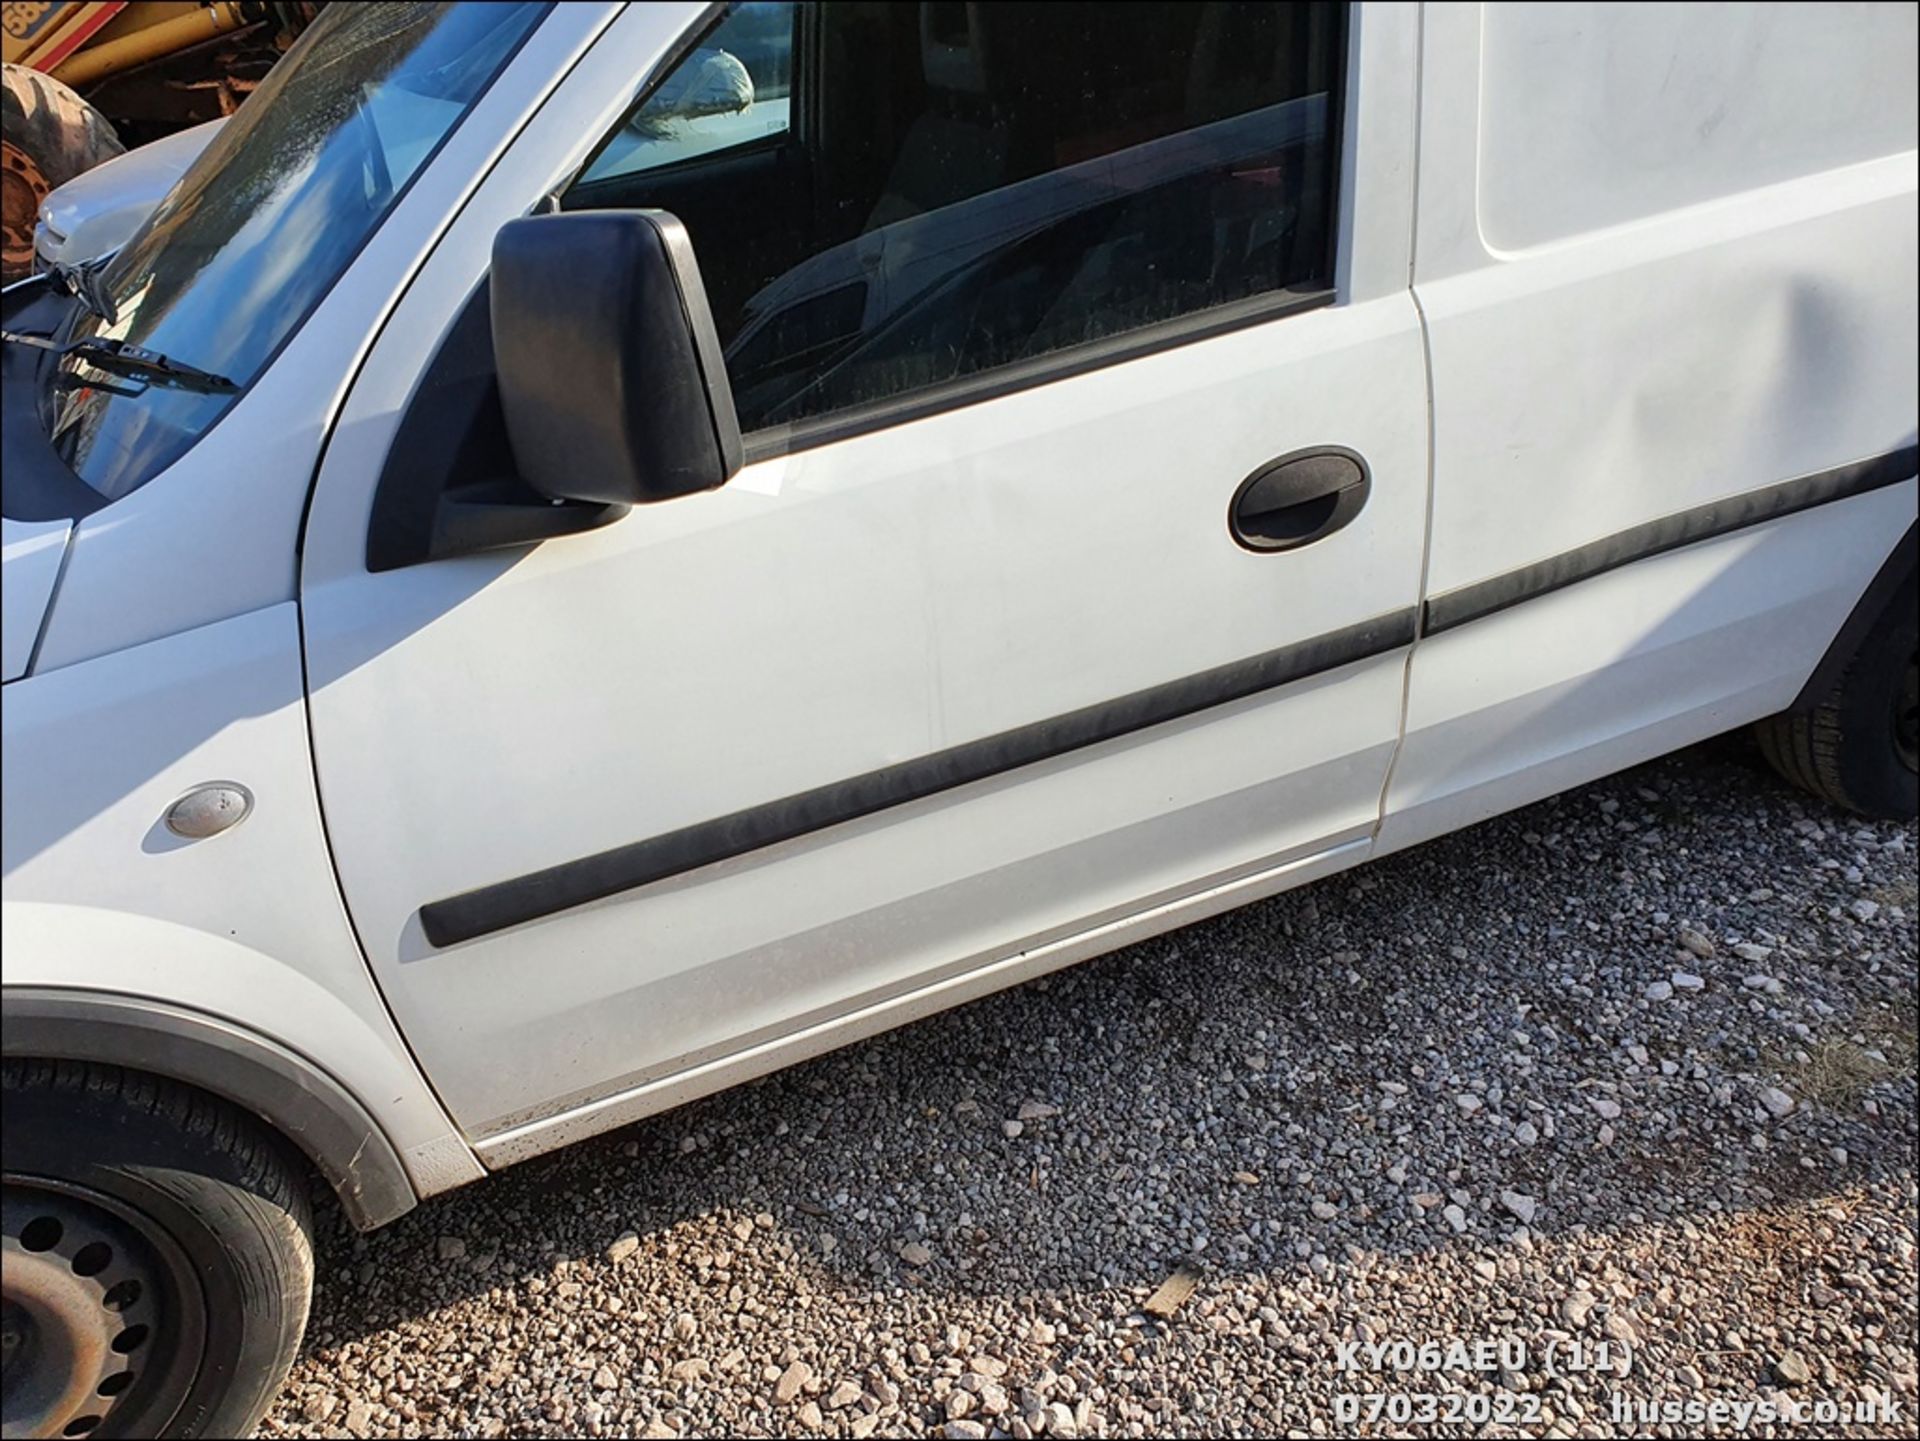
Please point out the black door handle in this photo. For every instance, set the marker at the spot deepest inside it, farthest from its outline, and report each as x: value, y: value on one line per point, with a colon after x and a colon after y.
x: 1299, y: 498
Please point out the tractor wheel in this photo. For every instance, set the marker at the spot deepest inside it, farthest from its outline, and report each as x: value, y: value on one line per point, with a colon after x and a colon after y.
x: 48, y: 135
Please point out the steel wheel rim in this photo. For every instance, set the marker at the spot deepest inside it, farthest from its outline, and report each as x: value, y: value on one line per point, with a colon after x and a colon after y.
x: 103, y: 1319
x: 22, y: 188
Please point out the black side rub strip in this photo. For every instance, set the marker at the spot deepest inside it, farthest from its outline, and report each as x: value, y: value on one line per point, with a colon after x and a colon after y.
x: 543, y: 893
x: 1687, y: 527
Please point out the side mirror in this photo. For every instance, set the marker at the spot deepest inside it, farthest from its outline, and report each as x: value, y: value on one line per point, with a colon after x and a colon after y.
x: 611, y: 376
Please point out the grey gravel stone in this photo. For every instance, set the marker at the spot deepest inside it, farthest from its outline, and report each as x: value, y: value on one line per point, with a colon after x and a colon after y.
x: 1790, y: 1369
x: 317, y: 1407
x: 1520, y: 1204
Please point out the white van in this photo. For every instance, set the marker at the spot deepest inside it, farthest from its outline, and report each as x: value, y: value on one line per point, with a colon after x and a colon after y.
x: 477, y: 678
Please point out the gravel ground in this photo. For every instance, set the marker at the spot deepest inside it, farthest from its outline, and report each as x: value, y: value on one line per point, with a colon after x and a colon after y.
x: 1632, y: 1068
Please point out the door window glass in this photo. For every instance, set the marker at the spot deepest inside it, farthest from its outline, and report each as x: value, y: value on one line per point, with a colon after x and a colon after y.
x: 730, y: 92
x: 971, y: 187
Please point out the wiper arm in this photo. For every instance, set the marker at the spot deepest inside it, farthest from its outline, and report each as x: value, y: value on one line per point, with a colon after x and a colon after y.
x: 116, y: 357
x: 81, y: 280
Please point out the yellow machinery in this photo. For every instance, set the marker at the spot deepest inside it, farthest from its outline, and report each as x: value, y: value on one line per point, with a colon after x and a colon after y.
x: 85, y: 80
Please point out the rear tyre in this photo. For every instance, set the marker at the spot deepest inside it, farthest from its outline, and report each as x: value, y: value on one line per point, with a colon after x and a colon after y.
x: 1856, y: 746
x: 158, y: 1257
x: 50, y: 136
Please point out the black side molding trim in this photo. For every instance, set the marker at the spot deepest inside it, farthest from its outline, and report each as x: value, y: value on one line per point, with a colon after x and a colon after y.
x: 543, y: 893
x: 1656, y: 537
x: 292, y: 1095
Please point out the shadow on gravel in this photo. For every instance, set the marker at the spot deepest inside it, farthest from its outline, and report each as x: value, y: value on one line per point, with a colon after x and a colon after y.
x: 1307, y: 1082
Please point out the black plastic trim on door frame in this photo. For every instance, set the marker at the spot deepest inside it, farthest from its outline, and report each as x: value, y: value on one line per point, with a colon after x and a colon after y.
x: 1687, y: 527
x: 530, y: 897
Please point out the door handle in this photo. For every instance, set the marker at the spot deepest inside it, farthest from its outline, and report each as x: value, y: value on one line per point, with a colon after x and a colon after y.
x: 1299, y: 498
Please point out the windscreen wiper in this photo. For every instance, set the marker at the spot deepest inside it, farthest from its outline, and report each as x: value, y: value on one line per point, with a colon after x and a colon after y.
x: 81, y: 280
x: 116, y: 357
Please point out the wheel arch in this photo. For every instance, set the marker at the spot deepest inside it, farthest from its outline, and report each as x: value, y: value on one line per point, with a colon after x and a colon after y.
x: 293, y: 1095
x: 1896, y: 571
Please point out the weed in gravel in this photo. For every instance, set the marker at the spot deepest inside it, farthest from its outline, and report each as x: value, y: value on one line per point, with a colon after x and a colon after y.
x: 1837, y: 1073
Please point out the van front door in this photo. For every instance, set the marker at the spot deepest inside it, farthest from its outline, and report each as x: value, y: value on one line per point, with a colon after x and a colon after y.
x: 1012, y: 622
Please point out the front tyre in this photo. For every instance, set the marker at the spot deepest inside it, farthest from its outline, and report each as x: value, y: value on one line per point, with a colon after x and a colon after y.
x: 1856, y: 745
x: 158, y: 1257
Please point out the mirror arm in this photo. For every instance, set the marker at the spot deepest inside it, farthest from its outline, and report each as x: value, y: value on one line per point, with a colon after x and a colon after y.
x: 496, y: 514
x: 485, y: 515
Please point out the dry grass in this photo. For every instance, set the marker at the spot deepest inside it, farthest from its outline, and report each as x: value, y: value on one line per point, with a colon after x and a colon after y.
x: 1838, y: 1072
x: 1894, y: 1031
x: 1903, y: 893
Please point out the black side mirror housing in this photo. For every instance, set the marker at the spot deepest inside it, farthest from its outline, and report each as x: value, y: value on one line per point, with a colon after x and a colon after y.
x: 611, y: 376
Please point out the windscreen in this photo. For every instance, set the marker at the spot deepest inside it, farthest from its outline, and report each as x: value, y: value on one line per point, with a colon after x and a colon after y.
x: 264, y: 222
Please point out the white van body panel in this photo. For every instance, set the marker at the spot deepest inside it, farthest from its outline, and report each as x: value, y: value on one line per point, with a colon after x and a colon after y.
x: 246, y: 926
x: 1596, y: 114
x: 31, y: 552
x: 1717, y: 296
x: 1698, y: 355
x: 982, y: 978
x: 1532, y: 701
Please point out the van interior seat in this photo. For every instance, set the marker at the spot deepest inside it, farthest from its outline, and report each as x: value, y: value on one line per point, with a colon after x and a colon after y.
x: 957, y: 147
